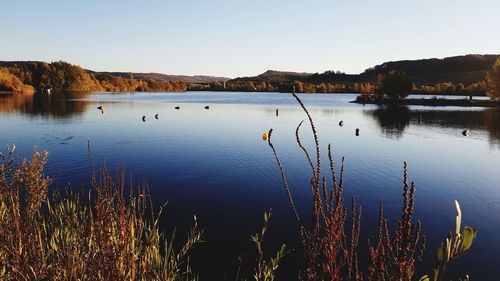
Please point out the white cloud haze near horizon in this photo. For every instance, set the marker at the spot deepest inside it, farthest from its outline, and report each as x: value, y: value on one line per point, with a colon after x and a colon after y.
x: 245, y: 38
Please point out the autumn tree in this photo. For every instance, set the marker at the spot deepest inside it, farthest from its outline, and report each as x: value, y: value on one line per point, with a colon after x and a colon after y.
x: 9, y: 82
x: 493, y: 81
x: 299, y: 86
x: 395, y: 84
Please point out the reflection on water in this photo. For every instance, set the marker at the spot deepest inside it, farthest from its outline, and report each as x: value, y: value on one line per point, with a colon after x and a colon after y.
x: 393, y: 120
x: 55, y: 105
x: 492, y: 123
x: 213, y: 163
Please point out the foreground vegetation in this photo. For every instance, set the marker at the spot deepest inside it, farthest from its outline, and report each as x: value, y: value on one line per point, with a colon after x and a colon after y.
x: 330, y: 242
x: 65, y: 237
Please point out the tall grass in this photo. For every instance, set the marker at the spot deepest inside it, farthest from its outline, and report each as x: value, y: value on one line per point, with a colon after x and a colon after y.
x: 330, y: 243
x: 266, y: 270
x: 108, y: 236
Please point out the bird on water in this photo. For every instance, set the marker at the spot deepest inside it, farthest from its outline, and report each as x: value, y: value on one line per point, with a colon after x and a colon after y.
x: 101, y: 109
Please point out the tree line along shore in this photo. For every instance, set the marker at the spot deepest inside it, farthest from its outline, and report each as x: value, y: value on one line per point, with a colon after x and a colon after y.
x: 463, y: 75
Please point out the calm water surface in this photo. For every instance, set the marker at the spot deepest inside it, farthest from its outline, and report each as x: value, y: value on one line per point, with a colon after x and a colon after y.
x: 213, y: 163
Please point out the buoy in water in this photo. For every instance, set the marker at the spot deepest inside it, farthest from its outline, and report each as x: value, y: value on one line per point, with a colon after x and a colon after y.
x: 357, y: 132
x: 276, y: 112
x: 341, y: 123
x: 465, y: 132
x: 265, y: 136
x: 144, y: 118
x: 207, y: 107
x: 177, y: 107
x: 99, y: 107
x: 156, y: 116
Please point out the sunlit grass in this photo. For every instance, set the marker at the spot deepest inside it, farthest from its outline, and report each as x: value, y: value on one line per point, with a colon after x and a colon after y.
x: 107, y: 236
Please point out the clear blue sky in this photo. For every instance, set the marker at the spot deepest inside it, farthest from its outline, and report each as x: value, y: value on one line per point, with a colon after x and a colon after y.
x: 240, y: 38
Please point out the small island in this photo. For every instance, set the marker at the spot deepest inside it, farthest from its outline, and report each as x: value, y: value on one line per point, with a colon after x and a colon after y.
x: 434, y: 101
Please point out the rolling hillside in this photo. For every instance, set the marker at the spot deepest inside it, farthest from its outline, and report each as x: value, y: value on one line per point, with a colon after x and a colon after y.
x: 466, y: 69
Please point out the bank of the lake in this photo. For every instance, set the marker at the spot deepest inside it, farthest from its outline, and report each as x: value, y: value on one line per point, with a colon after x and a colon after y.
x: 466, y: 101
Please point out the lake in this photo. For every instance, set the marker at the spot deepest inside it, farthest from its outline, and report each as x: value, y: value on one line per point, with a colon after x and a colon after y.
x: 214, y: 164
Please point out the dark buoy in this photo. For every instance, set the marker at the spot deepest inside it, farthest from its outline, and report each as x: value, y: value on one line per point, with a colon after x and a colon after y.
x: 156, y: 116
x: 177, y: 107
x: 143, y: 118
x: 207, y: 107
x: 99, y: 107
x: 420, y: 119
x: 357, y: 132
x: 276, y: 112
x: 341, y: 123
x: 465, y: 132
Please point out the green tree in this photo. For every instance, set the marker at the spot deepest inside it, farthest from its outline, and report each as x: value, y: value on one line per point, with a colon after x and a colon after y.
x: 493, y: 81
x: 395, y: 84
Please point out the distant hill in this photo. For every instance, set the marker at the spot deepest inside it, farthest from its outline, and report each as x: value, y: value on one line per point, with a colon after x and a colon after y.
x: 460, y: 69
x: 466, y: 69
x: 160, y: 77
x: 274, y: 77
x: 165, y: 77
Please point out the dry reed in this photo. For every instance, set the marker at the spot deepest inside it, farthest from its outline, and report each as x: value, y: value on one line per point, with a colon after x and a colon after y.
x: 330, y: 243
x: 65, y: 237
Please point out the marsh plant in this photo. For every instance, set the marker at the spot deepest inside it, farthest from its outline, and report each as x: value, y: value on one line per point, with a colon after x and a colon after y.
x: 330, y: 242
x: 265, y: 269
x: 108, y: 236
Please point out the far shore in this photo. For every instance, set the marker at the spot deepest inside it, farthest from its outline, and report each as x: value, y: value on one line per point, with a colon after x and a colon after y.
x: 466, y: 102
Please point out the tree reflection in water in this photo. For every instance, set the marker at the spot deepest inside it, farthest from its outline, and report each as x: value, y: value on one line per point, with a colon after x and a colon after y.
x: 48, y: 106
x: 492, y: 124
x: 393, y: 120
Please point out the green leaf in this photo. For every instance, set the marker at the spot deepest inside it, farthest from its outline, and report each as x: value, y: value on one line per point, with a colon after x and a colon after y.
x: 469, y: 235
x: 424, y: 278
x: 266, y: 217
x: 283, y: 250
x: 439, y: 254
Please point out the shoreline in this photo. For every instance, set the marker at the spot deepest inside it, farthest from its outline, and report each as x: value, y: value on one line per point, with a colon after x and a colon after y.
x: 428, y: 102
